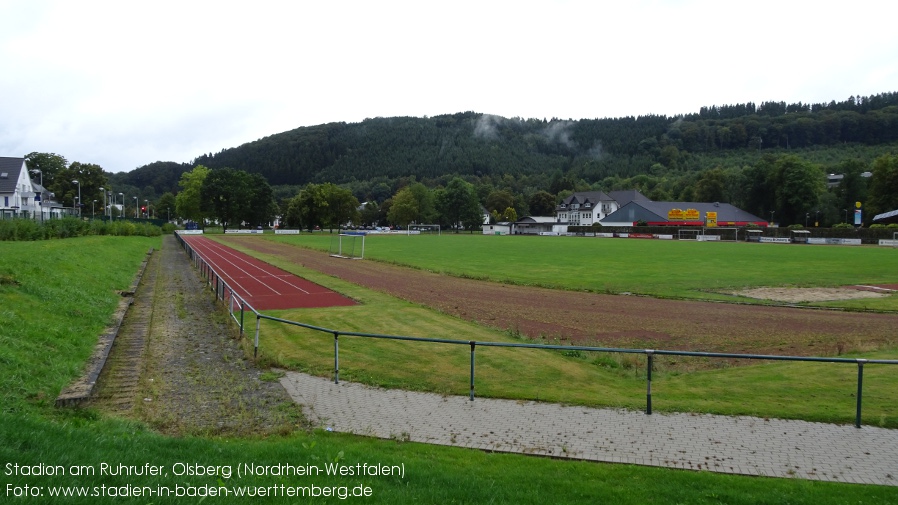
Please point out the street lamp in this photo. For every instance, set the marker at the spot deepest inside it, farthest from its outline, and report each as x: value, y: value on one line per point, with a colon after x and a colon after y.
x: 93, y: 212
x: 816, y: 218
x: 122, y: 213
x: 146, y: 207
x: 846, y: 214
x: 42, y: 191
x: 79, y: 197
x: 104, y: 201
x: 135, y: 207
x: 806, y: 217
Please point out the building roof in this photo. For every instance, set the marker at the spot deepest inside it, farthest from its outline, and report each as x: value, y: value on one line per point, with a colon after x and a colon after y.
x: 12, y: 167
x: 650, y: 211
x: 623, y: 197
x: 582, y: 197
x: 887, y: 217
x: 537, y: 219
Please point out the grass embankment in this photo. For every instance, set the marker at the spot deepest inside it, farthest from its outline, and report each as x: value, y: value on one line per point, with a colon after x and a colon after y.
x: 661, y: 268
x: 55, y: 298
x: 809, y: 391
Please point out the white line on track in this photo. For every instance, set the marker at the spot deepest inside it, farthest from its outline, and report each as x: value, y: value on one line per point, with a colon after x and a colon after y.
x: 226, y: 255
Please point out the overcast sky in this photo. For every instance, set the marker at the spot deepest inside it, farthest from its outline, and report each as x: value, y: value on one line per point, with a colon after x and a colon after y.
x: 125, y: 83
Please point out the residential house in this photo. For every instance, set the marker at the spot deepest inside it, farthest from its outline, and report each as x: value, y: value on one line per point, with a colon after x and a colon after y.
x: 20, y: 196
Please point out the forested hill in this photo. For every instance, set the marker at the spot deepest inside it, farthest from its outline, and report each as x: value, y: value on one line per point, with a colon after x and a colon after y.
x: 588, y: 150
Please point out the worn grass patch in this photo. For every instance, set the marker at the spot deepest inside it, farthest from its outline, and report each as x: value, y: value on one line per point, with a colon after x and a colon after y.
x: 814, y: 392
x: 661, y: 268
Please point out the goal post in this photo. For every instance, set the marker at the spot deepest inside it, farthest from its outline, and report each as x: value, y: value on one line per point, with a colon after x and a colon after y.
x: 417, y: 229
x: 688, y: 234
x: 721, y: 234
x: 348, y: 245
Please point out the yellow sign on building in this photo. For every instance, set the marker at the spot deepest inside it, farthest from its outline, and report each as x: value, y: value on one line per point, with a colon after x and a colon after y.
x: 710, y: 219
x: 691, y: 215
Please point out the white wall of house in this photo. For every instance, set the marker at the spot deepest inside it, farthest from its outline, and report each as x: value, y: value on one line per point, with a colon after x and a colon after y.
x: 497, y: 229
x: 21, y: 200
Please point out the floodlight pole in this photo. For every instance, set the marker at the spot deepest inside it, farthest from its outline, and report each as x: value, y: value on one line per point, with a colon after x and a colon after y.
x: 79, y: 197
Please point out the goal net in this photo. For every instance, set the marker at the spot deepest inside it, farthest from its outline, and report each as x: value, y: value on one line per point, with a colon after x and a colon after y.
x: 718, y: 234
x: 416, y: 229
x: 688, y: 234
x: 348, y: 245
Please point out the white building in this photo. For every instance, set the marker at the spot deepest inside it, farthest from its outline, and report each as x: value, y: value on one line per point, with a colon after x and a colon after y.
x: 587, y: 207
x: 20, y: 196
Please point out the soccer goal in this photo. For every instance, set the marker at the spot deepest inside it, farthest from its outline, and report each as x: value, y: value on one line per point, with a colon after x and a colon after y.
x: 688, y: 234
x: 716, y: 234
x: 348, y: 245
x: 417, y: 229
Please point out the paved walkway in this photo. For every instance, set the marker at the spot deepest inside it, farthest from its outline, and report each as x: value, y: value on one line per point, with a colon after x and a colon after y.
x: 737, y: 445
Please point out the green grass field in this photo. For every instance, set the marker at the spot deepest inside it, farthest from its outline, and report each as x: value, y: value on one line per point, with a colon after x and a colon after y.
x: 57, y: 296
x: 670, y: 269
x: 809, y: 391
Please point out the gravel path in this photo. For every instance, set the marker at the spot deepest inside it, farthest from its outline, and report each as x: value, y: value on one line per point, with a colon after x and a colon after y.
x: 192, y: 374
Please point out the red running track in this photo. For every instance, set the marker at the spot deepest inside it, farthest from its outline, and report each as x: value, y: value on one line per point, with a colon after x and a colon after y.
x: 263, y: 286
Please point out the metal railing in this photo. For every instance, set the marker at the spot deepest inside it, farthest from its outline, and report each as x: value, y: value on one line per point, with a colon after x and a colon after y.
x: 227, y: 295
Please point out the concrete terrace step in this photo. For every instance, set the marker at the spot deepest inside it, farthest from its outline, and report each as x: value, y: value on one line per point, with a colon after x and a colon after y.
x: 737, y: 445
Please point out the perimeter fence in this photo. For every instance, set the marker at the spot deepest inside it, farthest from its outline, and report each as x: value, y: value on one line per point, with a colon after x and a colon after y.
x: 238, y: 307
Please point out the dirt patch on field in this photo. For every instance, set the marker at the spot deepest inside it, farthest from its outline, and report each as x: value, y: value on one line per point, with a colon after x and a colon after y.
x: 609, y: 320
x: 802, y: 295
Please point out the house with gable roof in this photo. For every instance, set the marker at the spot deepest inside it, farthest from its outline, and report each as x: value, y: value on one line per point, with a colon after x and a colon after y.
x: 585, y: 208
x: 22, y: 197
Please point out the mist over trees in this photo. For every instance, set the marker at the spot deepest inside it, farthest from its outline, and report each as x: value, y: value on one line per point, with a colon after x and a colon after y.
x: 771, y: 159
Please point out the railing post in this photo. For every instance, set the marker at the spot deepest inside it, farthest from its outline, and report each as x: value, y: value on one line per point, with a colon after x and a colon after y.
x: 648, y: 383
x: 860, y: 387
x: 336, y: 358
x: 256, y: 347
x: 242, y: 307
x: 473, y: 344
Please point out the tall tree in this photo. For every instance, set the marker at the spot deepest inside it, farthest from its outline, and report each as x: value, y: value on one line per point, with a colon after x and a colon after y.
x: 711, y: 186
x: 225, y: 195
x: 261, y: 206
x: 458, y: 205
x: 883, y: 196
x: 189, y: 200
x: 853, y: 186
x: 323, y: 205
x: 47, y: 164
x: 166, y: 207
x: 90, y: 179
x: 799, y: 185
x: 404, y: 209
x: 499, y: 200
x: 342, y: 206
x: 542, y: 203
x: 307, y: 209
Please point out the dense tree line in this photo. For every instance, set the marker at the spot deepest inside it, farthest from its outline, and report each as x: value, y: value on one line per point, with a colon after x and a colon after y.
x: 744, y: 154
